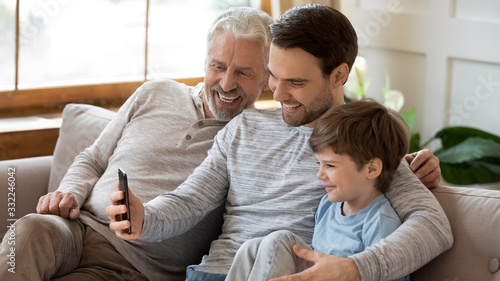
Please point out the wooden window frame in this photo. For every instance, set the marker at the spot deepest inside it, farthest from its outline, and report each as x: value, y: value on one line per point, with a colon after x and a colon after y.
x: 26, y: 102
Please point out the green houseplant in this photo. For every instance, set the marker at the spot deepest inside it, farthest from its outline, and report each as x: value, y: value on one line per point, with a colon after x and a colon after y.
x: 466, y: 156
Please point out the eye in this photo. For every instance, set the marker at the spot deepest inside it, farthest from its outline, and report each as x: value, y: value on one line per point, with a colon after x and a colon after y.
x: 217, y: 67
x: 297, y: 84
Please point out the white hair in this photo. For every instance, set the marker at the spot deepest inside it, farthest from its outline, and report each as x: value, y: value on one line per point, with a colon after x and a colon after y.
x: 246, y: 23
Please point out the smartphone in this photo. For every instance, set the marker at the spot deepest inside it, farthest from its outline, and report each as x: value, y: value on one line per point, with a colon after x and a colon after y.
x: 122, y: 176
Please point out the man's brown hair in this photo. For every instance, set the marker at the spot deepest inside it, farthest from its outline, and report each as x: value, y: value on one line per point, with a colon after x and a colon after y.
x: 364, y: 130
x: 319, y: 30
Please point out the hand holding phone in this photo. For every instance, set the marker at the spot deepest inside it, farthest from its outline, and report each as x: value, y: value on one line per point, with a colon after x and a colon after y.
x: 122, y: 176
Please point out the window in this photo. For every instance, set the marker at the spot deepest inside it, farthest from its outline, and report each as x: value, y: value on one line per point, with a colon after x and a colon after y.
x: 180, y: 52
x: 80, y: 42
x: 7, y: 45
x: 89, y: 42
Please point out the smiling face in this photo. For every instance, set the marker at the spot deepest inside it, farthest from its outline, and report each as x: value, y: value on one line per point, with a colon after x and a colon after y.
x: 345, y: 182
x: 299, y: 85
x: 235, y: 75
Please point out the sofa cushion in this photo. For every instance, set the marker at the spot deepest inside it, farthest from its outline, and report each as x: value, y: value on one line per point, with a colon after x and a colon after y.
x: 474, y: 215
x: 81, y: 126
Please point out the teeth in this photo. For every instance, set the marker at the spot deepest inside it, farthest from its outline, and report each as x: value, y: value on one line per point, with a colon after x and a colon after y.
x: 290, y: 106
x: 227, y: 99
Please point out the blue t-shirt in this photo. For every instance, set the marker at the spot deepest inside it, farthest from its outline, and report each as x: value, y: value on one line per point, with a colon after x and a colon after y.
x: 343, y: 236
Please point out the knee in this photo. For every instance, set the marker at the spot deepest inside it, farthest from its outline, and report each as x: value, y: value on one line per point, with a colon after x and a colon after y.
x: 36, y: 224
x: 280, y: 237
x: 249, y: 245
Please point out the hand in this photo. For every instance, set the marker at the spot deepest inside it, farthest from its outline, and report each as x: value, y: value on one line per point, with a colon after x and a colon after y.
x: 59, y: 203
x: 326, y: 267
x: 426, y: 167
x: 115, y: 211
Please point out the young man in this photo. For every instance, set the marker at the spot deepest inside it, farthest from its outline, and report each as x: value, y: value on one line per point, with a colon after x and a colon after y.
x: 358, y: 146
x: 158, y: 137
x: 263, y: 169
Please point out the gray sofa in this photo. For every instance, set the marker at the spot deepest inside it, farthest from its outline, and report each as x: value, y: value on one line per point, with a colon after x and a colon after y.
x: 474, y: 214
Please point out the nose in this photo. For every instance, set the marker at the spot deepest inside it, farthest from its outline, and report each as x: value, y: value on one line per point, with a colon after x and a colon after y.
x: 279, y: 90
x: 320, y: 174
x: 228, y: 81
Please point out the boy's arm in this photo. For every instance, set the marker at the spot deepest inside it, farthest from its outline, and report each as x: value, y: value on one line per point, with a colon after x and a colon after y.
x: 424, y: 234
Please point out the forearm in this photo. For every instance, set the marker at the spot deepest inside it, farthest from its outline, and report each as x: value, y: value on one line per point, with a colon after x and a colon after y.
x: 425, y: 233
x: 175, y: 212
x: 81, y: 177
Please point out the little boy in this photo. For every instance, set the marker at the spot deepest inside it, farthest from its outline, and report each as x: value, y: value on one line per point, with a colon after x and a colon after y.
x: 359, y: 146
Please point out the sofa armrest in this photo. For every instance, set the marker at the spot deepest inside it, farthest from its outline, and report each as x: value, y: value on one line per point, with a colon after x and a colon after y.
x: 474, y: 215
x: 30, y: 179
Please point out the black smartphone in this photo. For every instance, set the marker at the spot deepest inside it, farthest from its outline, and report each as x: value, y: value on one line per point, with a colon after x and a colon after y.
x: 122, y: 176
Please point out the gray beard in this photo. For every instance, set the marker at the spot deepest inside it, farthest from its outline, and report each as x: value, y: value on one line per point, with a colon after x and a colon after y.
x: 222, y: 113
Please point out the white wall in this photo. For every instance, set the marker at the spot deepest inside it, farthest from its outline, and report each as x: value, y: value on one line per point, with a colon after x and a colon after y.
x: 280, y: 6
x: 444, y: 55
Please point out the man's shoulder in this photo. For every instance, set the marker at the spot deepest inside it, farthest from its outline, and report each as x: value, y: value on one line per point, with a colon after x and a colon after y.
x: 165, y: 92
x: 254, y: 115
x: 255, y: 123
x: 166, y: 84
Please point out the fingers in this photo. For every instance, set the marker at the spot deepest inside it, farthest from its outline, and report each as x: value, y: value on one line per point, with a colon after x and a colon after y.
x: 306, y: 254
x: 115, y: 211
x: 424, y: 163
x: 60, y: 204
x: 120, y: 226
x: 66, y: 204
x: 116, y: 197
x: 432, y: 179
x: 74, y: 213
x: 426, y: 167
x: 417, y: 159
x: 304, y: 275
x: 410, y: 157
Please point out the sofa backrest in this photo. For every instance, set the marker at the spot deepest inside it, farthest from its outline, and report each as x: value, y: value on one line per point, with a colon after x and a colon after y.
x: 81, y: 126
x: 474, y: 215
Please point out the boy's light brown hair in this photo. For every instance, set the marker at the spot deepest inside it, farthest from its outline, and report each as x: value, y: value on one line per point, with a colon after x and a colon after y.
x: 364, y: 130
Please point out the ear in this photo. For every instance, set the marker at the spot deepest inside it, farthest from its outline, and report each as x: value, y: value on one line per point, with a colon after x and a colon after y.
x: 339, y: 75
x: 374, y: 168
x: 266, y: 86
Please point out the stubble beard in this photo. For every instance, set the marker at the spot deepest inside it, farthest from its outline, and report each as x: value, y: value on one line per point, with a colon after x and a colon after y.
x: 317, y: 109
x: 224, y: 113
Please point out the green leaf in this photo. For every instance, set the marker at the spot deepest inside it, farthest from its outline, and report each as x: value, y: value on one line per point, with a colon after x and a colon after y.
x: 471, y: 172
x: 474, y: 160
x: 473, y: 148
x: 451, y: 136
x: 409, y: 117
x: 414, y: 143
x: 346, y: 99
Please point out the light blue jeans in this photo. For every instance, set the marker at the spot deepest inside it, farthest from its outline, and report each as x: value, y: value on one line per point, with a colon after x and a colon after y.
x: 193, y: 275
x: 268, y: 257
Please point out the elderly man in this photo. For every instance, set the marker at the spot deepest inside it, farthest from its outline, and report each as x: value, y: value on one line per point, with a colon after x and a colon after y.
x: 263, y: 169
x: 158, y: 137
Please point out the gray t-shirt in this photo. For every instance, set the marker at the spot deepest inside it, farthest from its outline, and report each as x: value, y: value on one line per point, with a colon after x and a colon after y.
x: 265, y: 172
